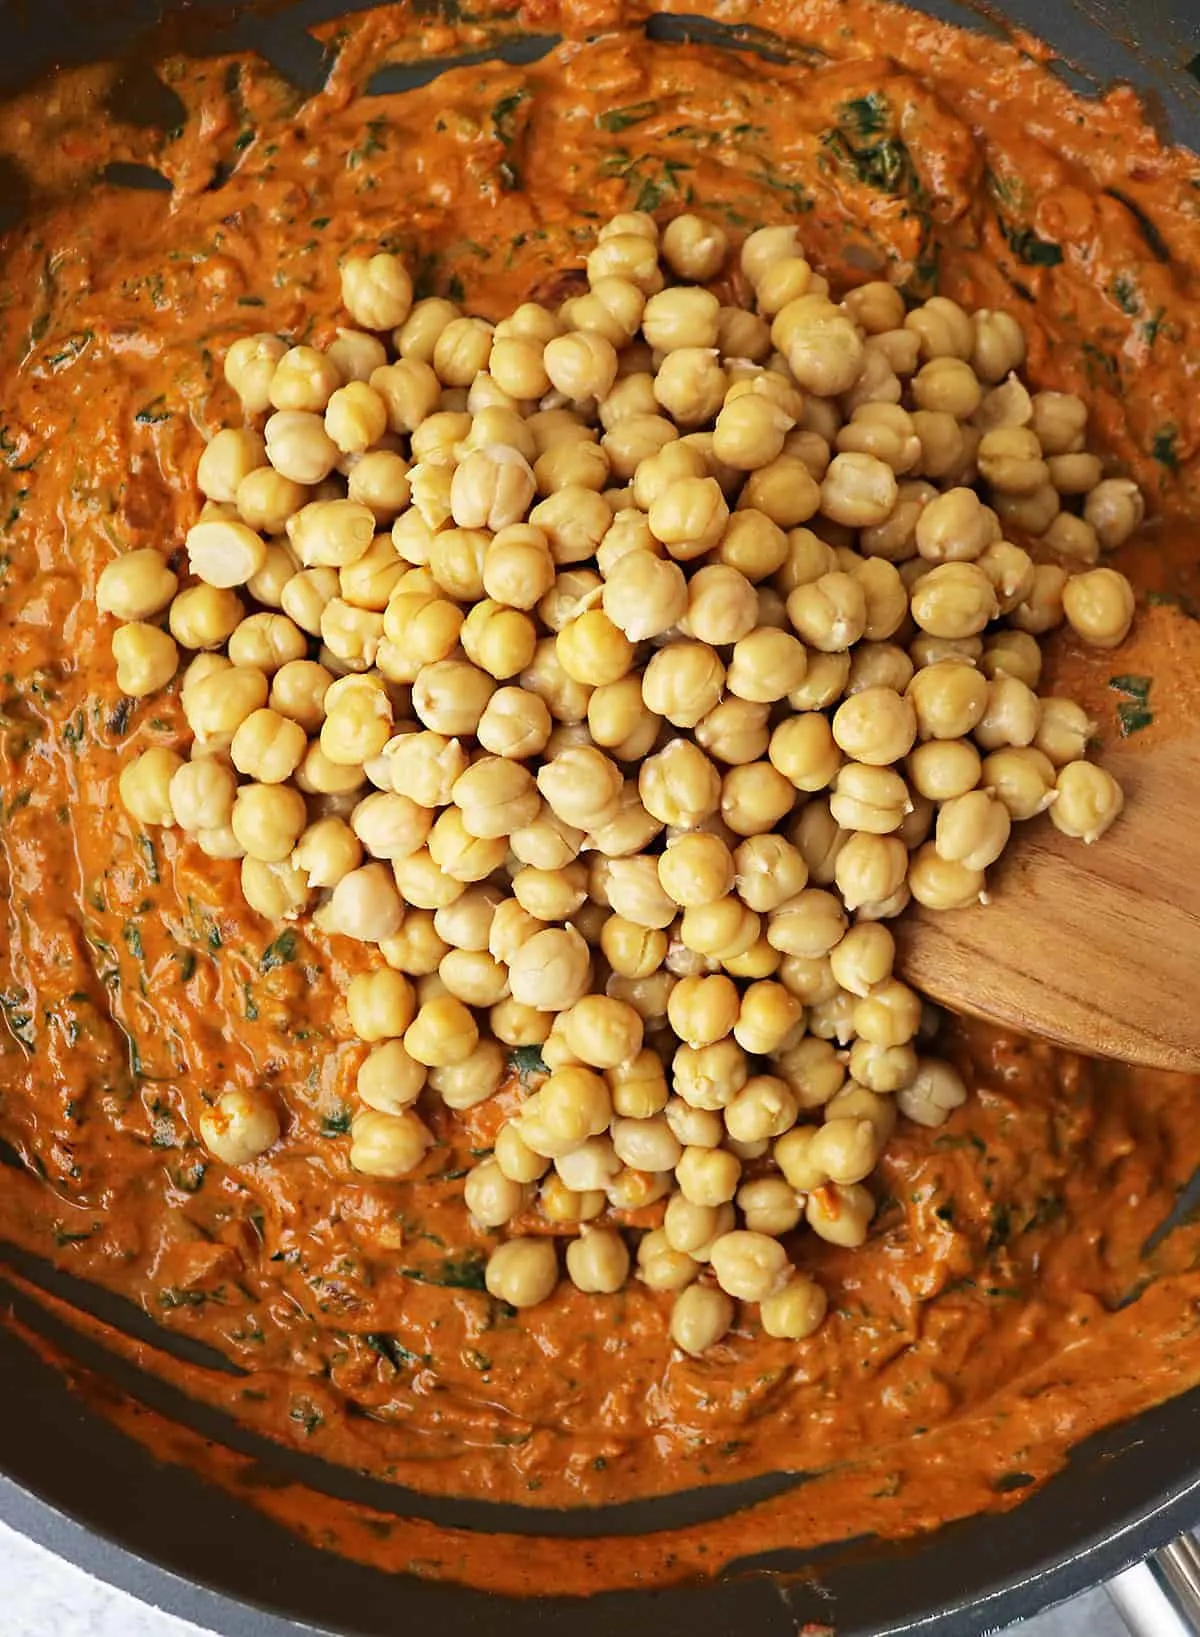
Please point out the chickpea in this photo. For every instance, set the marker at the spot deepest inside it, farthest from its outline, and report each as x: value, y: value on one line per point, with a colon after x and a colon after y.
x: 767, y: 664
x: 1064, y: 731
x: 522, y: 1272
x: 972, y: 829
x: 735, y: 730
x: 598, y: 1261
x: 1075, y: 474
x: 327, y: 851
x: 754, y: 798
x: 689, y: 517
x: 1042, y: 610
x: 708, y: 1176
x: 830, y: 613
x: 299, y: 448
x: 268, y: 747
x: 1115, y: 509
x: 939, y: 884
x: 683, y: 681
x: 203, y: 617
x: 1072, y: 537
x: 859, y: 490
x: 840, y: 1214
x: 146, y: 658
x: 955, y: 527
x: 699, y: 1318
x: 517, y: 1025
x: 380, y: 1004
x: 414, y: 947
x: 574, y: 521
x: 876, y: 726
x: 812, y: 1068
x: 818, y: 837
x: 1089, y: 801
x: 137, y: 586
x: 631, y: 255
x: 694, y: 248
x: 1099, y: 607
x: 810, y: 923
x: 879, y: 665
x: 823, y: 347
x: 279, y: 568
x: 1012, y: 714
x: 550, y: 970
x: 749, y: 1266
x: 749, y: 431
x: 145, y: 785
x: 267, y: 820
x: 770, y: 871
x: 690, y: 385
x: 661, y: 1267
x: 250, y: 365
x: 461, y: 351
x: 954, y: 600
x: 634, y: 439
x: 239, y: 1127
x: 870, y: 868
x: 942, y: 769
x: 933, y: 1094
x: 824, y: 682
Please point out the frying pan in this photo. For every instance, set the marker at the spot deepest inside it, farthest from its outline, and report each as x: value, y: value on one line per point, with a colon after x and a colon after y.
x: 71, y: 1480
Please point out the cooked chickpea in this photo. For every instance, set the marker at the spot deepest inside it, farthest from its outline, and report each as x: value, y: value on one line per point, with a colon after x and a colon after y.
x: 876, y: 726
x: 598, y: 1261
x: 250, y: 364
x: 327, y: 851
x: 690, y: 385
x: 795, y: 1312
x: 1022, y: 778
x: 870, y: 868
x: 702, y: 1010
x: 972, y: 829
x: 1089, y: 800
x: 829, y: 613
x: 145, y: 785
x: 522, y: 1272
x: 941, y: 769
x: 810, y: 923
x: 749, y: 1266
x: 146, y: 658
x: 550, y: 970
x: 380, y: 1004
x: 749, y: 431
x: 1042, y: 610
x: 694, y: 247
x: 955, y: 527
x: 267, y: 820
x: 954, y: 599
x: 939, y: 884
x: 683, y: 681
x: 999, y: 345
x: 299, y: 448
x: 1012, y: 715
x: 754, y: 798
x: 1115, y: 509
x: 204, y: 617
x: 859, y: 490
x: 823, y: 347
x: 767, y: 664
x: 267, y: 746
x: 137, y: 586
x: 239, y: 1127
x: 1099, y: 607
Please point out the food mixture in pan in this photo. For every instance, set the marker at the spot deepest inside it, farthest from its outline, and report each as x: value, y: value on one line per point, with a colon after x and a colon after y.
x: 510, y: 588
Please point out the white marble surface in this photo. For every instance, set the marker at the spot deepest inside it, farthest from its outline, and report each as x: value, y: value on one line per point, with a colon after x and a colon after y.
x: 41, y: 1596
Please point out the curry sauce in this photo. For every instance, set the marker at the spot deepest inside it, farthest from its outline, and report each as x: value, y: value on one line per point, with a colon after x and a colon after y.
x: 1004, y: 1306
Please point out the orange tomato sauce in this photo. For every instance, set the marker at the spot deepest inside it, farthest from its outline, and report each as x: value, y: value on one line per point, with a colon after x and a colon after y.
x: 1003, y: 1307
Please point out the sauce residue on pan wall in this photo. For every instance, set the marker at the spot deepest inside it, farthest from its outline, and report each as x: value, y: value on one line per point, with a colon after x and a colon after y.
x: 1003, y: 1307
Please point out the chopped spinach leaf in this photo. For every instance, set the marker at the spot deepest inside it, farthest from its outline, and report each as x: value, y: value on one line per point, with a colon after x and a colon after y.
x: 1165, y: 447
x: 620, y: 119
x: 279, y: 953
x: 462, y: 1272
x: 336, y: 1124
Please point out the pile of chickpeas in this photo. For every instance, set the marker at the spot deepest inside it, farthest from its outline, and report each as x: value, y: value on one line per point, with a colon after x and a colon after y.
x: 619, y: 672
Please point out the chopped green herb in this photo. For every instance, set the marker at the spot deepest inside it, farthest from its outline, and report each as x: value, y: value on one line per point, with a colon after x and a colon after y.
x: 527, y: 1060
x: 146, y: 847
x: 371, y: 144
x: 885, y: 166
x: 1164, y: 448
x: 1126, y: 293
x: 1132, y: 717
x: 463, y: 1272
x: 71, y: 348
x: 336, y: 1124
x: 868, y: 115
x: 153, y: 413
x: 1132, y: 685
x: 389, y: 1348
x: 1028, y: 248
x: 620, y: 119
x: 133, y: 940
x: 244, y: 139
x: 279, y: 953
x: 308, y: 1415
x: 1174, y: 599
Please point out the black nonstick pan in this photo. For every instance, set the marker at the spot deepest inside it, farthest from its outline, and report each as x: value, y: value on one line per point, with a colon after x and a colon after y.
x: 72, y: 1480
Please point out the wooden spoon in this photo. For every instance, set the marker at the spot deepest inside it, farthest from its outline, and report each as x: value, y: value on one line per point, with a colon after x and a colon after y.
x: 1094, y: 947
